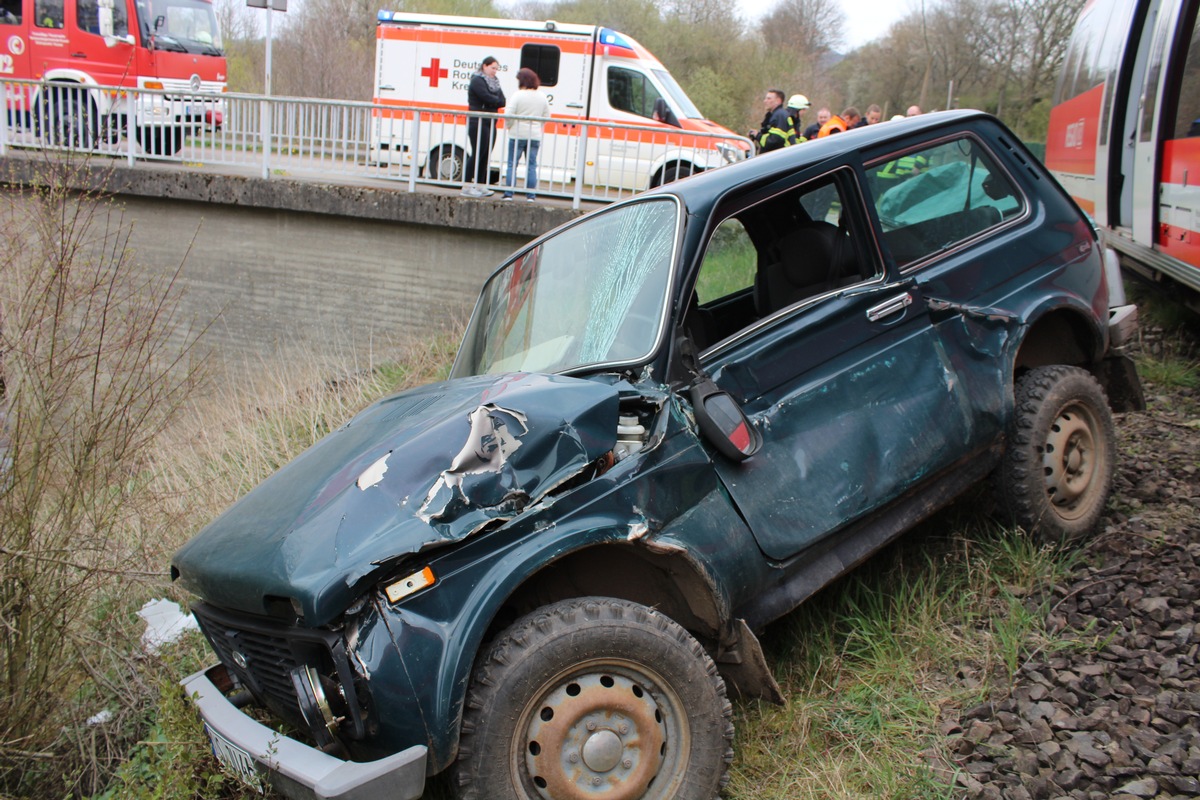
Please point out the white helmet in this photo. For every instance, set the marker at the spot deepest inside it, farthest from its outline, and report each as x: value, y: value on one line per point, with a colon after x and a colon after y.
x: 798, y: 101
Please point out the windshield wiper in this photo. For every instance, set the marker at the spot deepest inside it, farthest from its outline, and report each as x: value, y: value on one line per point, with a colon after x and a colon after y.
x: 162, y: 42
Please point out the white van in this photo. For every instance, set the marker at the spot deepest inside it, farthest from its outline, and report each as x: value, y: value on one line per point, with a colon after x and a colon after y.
x: 592, y: 76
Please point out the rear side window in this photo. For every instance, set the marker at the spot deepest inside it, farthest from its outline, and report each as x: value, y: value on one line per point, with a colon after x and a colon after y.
x: 542, y: 59
x: 931, y: 200
x: 10, y: 12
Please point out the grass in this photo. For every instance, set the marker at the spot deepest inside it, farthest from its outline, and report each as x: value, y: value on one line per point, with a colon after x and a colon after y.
x: 872, y: 666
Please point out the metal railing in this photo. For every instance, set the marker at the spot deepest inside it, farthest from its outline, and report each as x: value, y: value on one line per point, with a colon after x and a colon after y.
x: 289, y: 136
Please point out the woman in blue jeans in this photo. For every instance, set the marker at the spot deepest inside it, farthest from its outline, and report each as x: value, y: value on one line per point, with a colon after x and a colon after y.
x: 524, y: 134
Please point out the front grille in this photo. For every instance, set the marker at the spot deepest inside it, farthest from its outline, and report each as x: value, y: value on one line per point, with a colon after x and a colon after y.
x: 262, y: 653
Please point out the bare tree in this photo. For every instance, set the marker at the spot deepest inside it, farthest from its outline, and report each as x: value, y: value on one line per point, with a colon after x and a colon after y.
x: 807, y: 29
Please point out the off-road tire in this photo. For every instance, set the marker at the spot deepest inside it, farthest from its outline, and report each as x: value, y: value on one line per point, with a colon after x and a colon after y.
x: 1057, y: 470
x: 596, y: 698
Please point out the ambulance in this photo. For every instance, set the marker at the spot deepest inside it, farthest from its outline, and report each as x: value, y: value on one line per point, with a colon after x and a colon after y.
x: 172, y: 49
x: 600, y: 83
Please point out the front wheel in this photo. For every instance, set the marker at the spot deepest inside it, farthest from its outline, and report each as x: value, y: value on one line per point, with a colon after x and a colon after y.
x: 674, y: 173
x: 595, y: 698
x: 68, y: 119
x: 1057, y: 471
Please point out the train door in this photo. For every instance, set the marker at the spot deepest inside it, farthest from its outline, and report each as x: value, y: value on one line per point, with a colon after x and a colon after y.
x: 1134, y: 108
x: 1178, y: 230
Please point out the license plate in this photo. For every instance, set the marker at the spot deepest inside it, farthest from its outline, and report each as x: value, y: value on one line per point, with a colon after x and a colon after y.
x: 236, y: 761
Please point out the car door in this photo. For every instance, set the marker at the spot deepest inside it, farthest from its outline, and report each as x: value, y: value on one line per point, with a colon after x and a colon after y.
x: 835, y: 360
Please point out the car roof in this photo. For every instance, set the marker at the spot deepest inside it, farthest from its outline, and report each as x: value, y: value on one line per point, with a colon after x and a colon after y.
x: 700, y: 190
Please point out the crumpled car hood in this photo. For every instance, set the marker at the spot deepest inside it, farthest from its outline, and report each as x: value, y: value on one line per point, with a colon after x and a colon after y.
x: 422, y: 468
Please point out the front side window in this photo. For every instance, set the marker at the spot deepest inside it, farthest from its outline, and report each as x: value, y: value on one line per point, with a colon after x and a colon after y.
x: 932, y: 199
x: 593, y: 294
x: 632, y: 91
x: 784, y: 252
x: 88, y: 12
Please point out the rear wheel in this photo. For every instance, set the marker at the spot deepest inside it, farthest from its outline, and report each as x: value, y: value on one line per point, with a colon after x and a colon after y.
x: 1057, y: 471
x: 595, y: 698
x: 159, y: 140
x: 446, y: 163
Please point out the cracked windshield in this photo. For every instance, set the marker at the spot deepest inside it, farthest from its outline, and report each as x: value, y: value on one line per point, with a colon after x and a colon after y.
x: 593, y: 294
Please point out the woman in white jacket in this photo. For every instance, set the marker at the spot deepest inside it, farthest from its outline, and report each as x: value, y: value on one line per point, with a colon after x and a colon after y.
x: 525, y: 135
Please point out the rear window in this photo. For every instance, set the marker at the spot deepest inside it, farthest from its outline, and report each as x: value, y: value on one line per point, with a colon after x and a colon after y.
x: 932, y: 199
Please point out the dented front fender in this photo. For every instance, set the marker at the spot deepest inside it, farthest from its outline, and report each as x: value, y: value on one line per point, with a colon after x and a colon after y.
x: 421, y: 469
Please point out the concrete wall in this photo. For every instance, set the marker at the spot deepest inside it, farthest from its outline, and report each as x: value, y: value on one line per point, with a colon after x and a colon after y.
x: 369, y: 199
x: 277, y: 270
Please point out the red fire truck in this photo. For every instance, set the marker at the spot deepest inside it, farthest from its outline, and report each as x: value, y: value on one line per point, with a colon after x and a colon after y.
x: 1124, y: 136
x: 84, y: 52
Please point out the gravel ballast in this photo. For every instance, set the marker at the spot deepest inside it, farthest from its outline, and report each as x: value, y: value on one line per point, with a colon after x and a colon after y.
x: 1110, y: 707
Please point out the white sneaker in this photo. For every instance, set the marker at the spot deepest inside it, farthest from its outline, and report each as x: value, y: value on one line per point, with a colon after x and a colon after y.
x: 473, y: 191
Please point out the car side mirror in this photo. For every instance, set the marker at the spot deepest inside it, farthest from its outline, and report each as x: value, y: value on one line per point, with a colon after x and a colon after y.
x: 723, y: 423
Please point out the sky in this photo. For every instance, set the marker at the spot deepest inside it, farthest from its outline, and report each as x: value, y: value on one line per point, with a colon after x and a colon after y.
x: 865, y: 19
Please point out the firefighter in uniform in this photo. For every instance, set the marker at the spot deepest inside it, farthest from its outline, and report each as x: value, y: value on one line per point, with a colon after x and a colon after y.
x: 797, y: 104
x: 772, y: 133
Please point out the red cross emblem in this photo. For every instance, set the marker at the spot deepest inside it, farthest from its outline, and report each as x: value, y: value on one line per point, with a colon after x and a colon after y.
x: 434, y: 72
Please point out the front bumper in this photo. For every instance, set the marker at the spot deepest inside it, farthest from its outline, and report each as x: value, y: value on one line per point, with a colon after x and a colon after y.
x: 300, y: 771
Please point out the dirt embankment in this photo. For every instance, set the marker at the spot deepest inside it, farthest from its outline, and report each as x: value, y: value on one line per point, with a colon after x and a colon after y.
x: 1111, y: 707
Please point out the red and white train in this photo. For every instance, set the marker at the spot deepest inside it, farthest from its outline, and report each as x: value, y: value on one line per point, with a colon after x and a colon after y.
x: 1124, y: 136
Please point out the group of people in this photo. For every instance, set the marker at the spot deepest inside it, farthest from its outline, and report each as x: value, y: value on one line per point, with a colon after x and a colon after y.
x: 782, y: 123
x: 524, y: 134
x: 781, y: 126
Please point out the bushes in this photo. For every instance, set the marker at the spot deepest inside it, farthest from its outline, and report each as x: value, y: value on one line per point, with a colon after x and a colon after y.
x: 91, y: 374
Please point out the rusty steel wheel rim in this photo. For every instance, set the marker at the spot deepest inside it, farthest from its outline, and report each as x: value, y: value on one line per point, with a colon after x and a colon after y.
x: 607, y: 730
x: 1073, y: 461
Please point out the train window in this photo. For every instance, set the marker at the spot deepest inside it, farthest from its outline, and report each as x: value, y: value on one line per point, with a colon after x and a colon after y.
x: 931, y: 200
x: 1187, y: 114
x: 1153, y: 77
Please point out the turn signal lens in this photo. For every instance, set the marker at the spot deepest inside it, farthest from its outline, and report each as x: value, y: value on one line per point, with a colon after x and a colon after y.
x: 406, y: 586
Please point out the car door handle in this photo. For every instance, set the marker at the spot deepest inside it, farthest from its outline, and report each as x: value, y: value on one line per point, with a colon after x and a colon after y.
x: 574, y: 105
x: 78, y: 55
x: 889, y: 307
